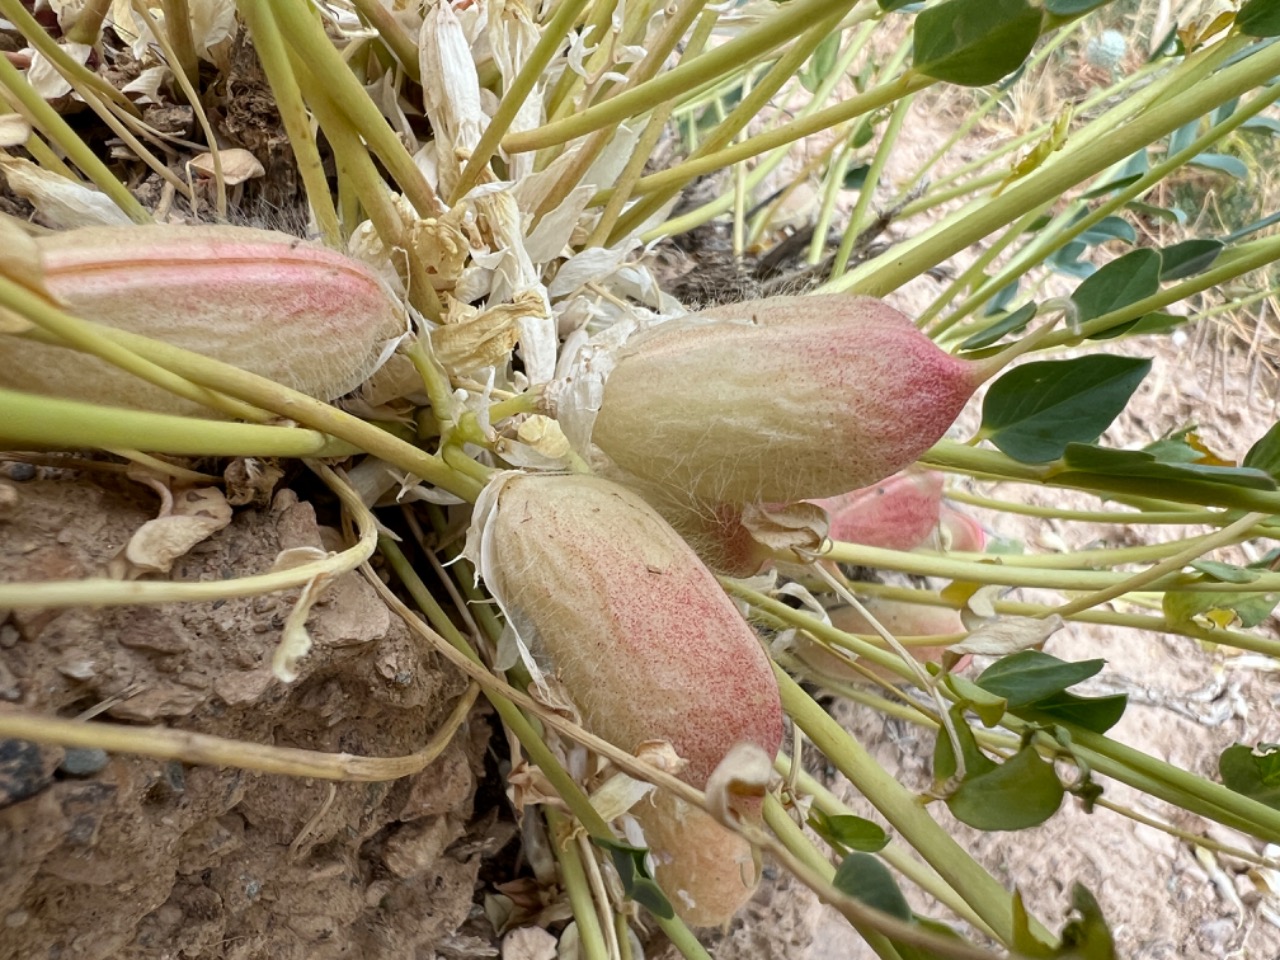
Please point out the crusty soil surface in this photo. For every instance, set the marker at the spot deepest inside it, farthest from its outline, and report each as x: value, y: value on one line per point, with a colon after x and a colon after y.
x: 121, y: 856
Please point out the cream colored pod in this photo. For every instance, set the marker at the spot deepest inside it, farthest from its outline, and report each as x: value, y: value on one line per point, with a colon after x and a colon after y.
x: 609, y: 599
x: 788, y: 398
x: 303, y: 315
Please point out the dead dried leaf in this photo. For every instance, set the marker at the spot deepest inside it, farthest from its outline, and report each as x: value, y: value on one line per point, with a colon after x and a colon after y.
x: 1009, y: 635
x: 14, y: 130
x: 800, y: 528
x: 742, y: 775
x: 238, y: 165
x: 528, y: 943
x: 60, y: 202
x: 197, y: 515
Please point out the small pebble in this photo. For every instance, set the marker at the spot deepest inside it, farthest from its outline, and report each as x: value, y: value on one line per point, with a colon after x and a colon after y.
x: 83, y: 761
x: 21, y: 472
x: 8, y: 501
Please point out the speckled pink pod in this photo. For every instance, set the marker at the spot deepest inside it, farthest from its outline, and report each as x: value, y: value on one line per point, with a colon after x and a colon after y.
x: 789, y: 398
x: 645, y: 640
x: 303, y: 315
x: 648, y: 647
x: 899, y: 513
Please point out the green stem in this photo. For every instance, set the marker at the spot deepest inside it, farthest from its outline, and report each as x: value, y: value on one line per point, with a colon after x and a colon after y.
x: 794, y: 839
x: 32, y: 422
x: 1087, y: 156
x: 859, y: 218
x: 776, y: 30
x: 574, y: 877
x: 305, y: 34
x: 88, y: 25
x: 553, y: 37
x: 269, y: 46
x: 900, y: 808
x: 60, y: 133
x: 177, y: 24
x: 393, y: 35
x: 306, y: 410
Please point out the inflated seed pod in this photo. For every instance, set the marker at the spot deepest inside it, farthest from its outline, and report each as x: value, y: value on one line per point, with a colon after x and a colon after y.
x: 787, y: 398
x: 298, y: 313
x: 610, y: 599
x: 898, y: 513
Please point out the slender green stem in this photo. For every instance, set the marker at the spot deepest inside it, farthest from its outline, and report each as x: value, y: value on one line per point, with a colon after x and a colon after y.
x: 1051, y: 239
x: 88, y: 25
x: 576, y: 885
x: 899, y: 807
x: 990, y: 464
x: 269, y: 46
x: 305, y: 34
x: 1087, y: 156
x: 60, y: 133
x: 32, y: 422
x: 177, y: 25
x: 597, y: 31
x: 76, y: 73
x: 794, y: 839
x: 762, y: 91
x: 94, y: 339
x: 293, y: 405
x: 858, y: 219
x: 393, y: 35
x: 774, y: 31
x: 554, y: 35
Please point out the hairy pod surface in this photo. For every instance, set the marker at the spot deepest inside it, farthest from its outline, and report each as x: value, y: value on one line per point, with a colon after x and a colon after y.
x: 647, y: 646
x: 301, y: 314
x: 787, y: 398
x: 900, y: 618
x: 899, y: 513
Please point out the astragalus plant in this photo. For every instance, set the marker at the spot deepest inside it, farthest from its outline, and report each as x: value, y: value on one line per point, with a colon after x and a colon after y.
x: 472, y: 317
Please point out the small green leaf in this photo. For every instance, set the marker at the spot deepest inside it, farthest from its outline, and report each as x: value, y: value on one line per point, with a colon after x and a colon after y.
x: 1121, y: 282
x: 1110, y: 228
x: 1225, y: 572
x: 849, y: 832
x: 1140, y: 464
x: 1029, y: 675
x: 1010, y: 323
x: 855, y: 176
x: 1086, y: 937
x: 1259, y: 18
x: 1188, y: 258
x: 865, y: 878
x: 1097, y: 714
x: 1034, y: 411
x: 974, y: 42
x: 1183, y: 137
x: 1253, y: 772
x: 1148, y: 323
x: 636, y: 880
x: 1265, y: 454
x: 1183, y: 606
x: 989, y: 707
x: 888, y: 6
x: 1024, y: 941
x: 821, y: 63
x: 944, y: 755
x: 1022, y: 792
x: 1172, y: 214
x: 1269, y: 124
x: 1221, y: 163
x: 1110, y: 186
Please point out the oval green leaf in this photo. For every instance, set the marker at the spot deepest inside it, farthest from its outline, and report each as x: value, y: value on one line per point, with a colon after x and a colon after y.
x: 1034, y: 411
x: 1253, y: 772
x: 1022, y: 792
x: 1121, y: 282
x: 1096, y: 714
x: 1188, y: 258
x: 865, y: 878
x: 1011, y: 323
x: 1030, y: 675
x: 1259, y: 18
x: 1265, y: 454
x: 847, y: 832
x: 974, y: 42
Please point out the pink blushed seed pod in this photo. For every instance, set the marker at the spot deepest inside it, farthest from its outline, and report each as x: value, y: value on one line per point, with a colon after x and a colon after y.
x: 899, y: 513
x: 647, y: 646
x: 901, y: 619
x: 305, y: 316
x: 960, y: 532
x: 783, y: 399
